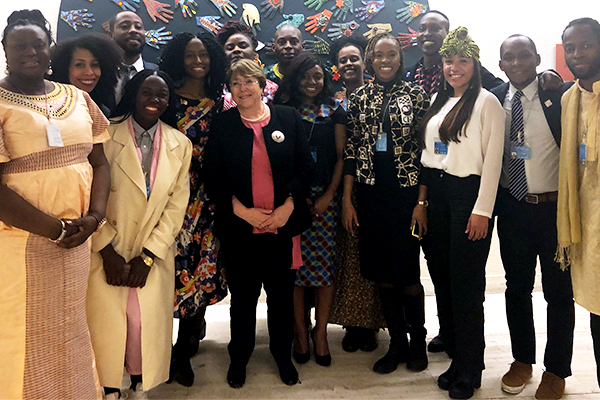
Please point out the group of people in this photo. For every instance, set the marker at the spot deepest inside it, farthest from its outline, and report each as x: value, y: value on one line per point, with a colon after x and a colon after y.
x: 213, y: 175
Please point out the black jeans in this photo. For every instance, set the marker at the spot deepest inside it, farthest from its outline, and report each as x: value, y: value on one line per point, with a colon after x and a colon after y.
x: 250, y: 263
x: 459, y: 267
x: 595, y: 325
x: 526, y: 232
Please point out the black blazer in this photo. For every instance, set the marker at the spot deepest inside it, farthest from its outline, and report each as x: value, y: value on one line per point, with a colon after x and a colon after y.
x: 229, y: 169
x: 149, y: 65
x: 550, y: 100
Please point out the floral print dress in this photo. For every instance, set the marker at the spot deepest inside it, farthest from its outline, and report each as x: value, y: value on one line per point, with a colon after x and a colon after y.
x: 199, y: 275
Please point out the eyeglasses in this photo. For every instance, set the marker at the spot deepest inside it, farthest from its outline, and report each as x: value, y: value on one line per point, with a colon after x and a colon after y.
x: 246, y: 83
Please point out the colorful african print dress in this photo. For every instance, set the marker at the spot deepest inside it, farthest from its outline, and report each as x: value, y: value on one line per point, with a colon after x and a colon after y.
x: 199, y: 276
x: 45, y: 347
x: 318, y: 242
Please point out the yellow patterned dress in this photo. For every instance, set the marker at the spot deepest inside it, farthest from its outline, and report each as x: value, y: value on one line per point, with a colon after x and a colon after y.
x: 45, y: 348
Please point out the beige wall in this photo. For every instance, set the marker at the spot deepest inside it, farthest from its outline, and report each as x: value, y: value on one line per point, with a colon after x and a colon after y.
x: 489, y: 22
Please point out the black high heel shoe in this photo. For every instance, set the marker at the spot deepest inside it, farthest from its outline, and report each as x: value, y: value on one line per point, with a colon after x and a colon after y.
x: 324, y: 360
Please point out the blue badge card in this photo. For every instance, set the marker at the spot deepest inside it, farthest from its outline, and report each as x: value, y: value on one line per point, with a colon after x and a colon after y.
x: 523, y: 152
x: 440, y: 147
x: 381, y: 144
x: 582, y: 153
x: 313, y: 153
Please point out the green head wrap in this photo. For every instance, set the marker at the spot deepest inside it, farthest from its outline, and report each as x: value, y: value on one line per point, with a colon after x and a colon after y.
x: 459, y: 43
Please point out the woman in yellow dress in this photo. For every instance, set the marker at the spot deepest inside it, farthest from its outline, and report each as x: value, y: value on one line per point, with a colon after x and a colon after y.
x: 54, y: 185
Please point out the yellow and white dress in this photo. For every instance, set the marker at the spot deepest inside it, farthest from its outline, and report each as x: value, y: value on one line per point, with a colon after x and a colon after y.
x: 45, y: 348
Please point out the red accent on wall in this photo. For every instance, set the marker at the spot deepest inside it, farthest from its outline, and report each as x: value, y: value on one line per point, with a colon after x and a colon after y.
x: 561, y: 65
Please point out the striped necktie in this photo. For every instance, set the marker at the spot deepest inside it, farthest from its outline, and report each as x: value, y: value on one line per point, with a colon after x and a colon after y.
x: 516, y: 166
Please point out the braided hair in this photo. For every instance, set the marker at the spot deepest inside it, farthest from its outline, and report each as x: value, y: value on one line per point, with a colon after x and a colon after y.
x: 370, y: 52
x: 24, y: 18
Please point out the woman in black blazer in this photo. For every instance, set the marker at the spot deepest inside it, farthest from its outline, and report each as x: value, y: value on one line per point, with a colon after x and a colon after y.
x: 259, y: 168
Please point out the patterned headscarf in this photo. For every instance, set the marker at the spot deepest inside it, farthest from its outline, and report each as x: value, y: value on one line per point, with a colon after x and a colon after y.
x: 459, y: 43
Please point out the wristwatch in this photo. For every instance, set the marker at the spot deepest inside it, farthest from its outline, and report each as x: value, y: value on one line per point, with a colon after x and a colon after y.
x: 149, y: 261
x: 101, y: 224
x: 423, y: 203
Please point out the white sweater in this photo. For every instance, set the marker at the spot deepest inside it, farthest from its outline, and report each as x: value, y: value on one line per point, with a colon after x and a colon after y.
x: 479, y: 151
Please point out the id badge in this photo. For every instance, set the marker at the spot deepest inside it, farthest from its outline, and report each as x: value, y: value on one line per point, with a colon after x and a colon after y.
x: 440, y: 148
x: 582, y: 153
x: 53, y: 134
x: 522, y: 152
x: 313, y: 153
x: 381, y: 144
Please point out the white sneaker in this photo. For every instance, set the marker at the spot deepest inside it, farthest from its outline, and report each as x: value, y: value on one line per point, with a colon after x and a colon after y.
x: 138, y: 393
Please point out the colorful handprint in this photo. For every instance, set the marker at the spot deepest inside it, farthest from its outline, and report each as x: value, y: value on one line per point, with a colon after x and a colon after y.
x: 341, y: 9
x: 370, y: 9
x: 318, y: 46
x: 127, y: 5
x: 411, y: 11
x: 159, y: 10
x: 292, y: 19
x: 210, y: 23
x: 408, y: 39
x: 377, y: 29
x: 342, y: 29
x: 76, y: 18
x: 320, y: 20
x: 270, y: 7
x: 187, y: 7
x: 251, y: 17
x: 315, y: 3
x: 225, y: 7
x: 157, y: 37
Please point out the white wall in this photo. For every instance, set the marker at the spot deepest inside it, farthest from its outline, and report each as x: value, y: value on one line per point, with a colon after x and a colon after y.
x: 489, y: 22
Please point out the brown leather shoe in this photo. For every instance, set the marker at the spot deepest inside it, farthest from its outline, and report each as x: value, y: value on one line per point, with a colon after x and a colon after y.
x: 517, y: 376
x: 551, y: 387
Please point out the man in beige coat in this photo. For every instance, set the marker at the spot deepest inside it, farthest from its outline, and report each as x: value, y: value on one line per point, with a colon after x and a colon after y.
x: 140, y: 222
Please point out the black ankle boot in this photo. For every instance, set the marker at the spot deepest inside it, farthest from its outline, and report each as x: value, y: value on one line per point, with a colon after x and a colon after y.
x: 414, y: 310
x: 181, y: 366
x: 236, y: 375
x: 448, y: 377
x: 368, y: 339
x: 351, y: 340
x: 464, y: 385
x: 394, y: 318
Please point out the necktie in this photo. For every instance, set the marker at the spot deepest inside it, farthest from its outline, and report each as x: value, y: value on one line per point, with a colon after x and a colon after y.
x: 516, y: 166
x: 126, y: 71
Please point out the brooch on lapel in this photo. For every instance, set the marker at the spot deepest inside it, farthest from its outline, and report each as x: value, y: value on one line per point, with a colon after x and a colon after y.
x: 548, y: 103
x: 278, y: 136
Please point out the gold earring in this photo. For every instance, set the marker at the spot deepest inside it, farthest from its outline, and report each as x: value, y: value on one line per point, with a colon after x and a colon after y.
x: 50, y: 71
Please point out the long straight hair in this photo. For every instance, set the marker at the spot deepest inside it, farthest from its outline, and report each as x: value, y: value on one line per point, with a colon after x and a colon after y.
x: 458, y: 117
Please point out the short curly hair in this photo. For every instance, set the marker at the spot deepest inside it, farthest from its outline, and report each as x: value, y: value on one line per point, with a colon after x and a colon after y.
x: 232, y: 27
x: 105, y: 50
x: 171, y: 62
x: 289, y: 93
x: 360, y: 42
x: 370, y: 52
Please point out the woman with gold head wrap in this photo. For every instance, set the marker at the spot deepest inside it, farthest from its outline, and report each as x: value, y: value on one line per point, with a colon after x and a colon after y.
x: 463, y: 136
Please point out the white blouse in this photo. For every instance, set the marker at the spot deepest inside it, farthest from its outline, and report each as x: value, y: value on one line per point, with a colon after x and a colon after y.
x: 479, y: 151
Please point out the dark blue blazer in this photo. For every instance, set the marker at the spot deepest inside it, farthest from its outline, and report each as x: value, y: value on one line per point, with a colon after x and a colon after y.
x: 550, y: 100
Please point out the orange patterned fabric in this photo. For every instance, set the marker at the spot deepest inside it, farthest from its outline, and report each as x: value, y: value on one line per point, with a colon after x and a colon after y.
x: 51, y: 158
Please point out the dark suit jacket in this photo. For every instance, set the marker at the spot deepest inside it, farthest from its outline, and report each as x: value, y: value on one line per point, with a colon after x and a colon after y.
x: 229, y: 169
x: 149, y: 65
x: 488, y: 80
x: 550, y: 100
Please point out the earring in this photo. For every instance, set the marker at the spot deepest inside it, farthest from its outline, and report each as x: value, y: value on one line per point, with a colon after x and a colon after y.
x: 7, y: 70
x: 50, y: 71
x: 445, y: 87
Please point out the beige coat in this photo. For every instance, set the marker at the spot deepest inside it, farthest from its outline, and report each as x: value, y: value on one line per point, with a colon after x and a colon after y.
x: 134, y: 223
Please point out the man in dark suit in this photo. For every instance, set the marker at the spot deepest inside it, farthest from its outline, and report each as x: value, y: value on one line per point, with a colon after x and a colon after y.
x: 526, y: 209
x: 127, y: 30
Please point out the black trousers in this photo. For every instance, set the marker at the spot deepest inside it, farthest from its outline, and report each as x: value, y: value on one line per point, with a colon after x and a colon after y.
x: 459, y: 267
x: 526, y: 232
x: 595, y: 325
x: 251, y: 263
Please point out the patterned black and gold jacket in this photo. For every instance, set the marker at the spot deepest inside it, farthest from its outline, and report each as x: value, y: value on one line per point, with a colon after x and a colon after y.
x: 407, y: 106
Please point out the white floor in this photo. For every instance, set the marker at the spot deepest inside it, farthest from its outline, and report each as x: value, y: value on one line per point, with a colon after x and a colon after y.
x: 350, y: 375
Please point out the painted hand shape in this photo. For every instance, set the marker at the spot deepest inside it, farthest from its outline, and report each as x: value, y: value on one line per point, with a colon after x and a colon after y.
x: 157, y: 37
x: 210, y: 23
x: 411, y: 11
x: 127, y: 5
x: 342, y: 29
x: 270, y: 7
x: 341, y: 9
x: 157, y: 9
x: 76, y: 18
x: 376, y: 29
x: 251, y: 17
x: 318, y: 46
x: 320, y: 20
x: 408, y: 39
x: 225, y: 7
x: 187, y: 7
x: 292, y: 19
x: 370, y: 9
x: 315, y: 3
